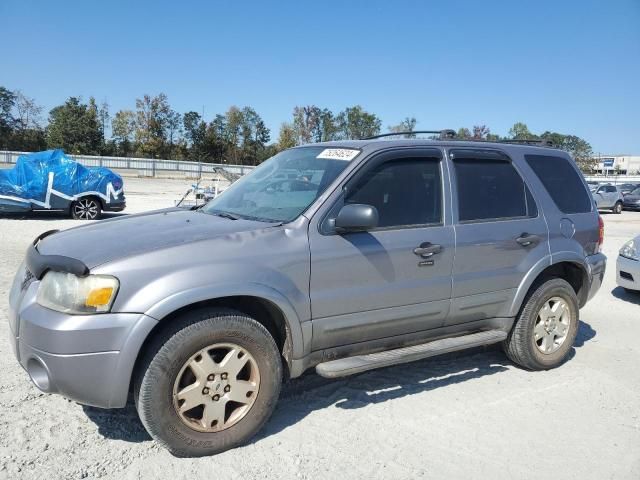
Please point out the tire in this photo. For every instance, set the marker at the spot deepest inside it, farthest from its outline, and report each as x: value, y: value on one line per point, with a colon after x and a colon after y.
x: 524, y: 347
x: 87, y: 208
x: 617, y: 208
x: 166, y: 364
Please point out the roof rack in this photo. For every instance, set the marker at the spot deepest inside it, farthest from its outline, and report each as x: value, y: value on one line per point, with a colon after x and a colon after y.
x: 447, y: 133
x: 538, y: 141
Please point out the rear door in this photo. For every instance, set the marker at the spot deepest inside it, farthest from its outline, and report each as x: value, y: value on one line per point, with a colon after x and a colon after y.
x: 374, y: 285
x: 500, y: 234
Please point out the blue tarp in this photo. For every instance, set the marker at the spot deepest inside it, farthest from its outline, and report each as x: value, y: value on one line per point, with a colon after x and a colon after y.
x: 29, y: 180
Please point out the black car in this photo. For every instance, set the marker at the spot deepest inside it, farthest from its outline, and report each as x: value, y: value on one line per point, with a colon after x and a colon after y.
x: 632, y: 200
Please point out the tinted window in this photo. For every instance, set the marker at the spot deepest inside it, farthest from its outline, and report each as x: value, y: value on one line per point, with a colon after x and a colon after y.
x: 611, y: 189
x: 562, y: 182
x: 491, y: 189
x: 405, y: 192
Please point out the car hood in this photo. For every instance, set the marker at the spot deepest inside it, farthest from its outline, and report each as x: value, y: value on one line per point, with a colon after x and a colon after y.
x: 631, y: 198
x: 108, y: 240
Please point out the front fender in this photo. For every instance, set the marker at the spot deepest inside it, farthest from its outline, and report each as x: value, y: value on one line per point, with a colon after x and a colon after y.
x: 188, y: 297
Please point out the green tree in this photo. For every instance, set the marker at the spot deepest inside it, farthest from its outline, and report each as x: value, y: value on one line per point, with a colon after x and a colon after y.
x: 7, y: 122
x: 75, y: 127
x: 356, y: 123
x: 520, y: 131
x: 123, y: 127
x: 287, y: 137
x: 152, y: 124
x: 464, y: 133
x: 577, y: 147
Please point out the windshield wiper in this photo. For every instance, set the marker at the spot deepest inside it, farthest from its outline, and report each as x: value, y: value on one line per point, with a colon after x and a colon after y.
x: 226, y: 215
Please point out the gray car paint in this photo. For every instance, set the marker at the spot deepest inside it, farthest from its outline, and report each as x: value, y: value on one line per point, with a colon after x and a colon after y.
x: 339, y: 294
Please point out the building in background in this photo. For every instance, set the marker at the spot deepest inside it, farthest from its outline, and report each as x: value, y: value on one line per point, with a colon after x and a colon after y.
x: 618, y: 165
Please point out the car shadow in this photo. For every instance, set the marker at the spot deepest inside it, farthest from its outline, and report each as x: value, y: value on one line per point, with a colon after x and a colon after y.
x: 302, y: 396
x: 622, y: 294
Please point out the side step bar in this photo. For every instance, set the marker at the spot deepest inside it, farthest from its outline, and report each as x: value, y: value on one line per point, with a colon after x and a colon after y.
x: 361, y: 363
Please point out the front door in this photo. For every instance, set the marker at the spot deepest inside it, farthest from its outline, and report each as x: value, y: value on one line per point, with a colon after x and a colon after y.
x: 500, y: 234
x: 377, y: 284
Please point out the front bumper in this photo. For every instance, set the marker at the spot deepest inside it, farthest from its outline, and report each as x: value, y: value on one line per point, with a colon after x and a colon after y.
x: 115, y: 206
x: 87, y: 358
x: 628, y: 273
x: 631, y: 206
x: 596, y: 266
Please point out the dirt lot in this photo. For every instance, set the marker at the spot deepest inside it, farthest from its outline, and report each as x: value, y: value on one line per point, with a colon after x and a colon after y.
x: 468, y: 415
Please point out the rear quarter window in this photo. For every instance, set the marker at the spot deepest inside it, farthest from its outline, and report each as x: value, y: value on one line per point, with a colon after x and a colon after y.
x: 562, y: 182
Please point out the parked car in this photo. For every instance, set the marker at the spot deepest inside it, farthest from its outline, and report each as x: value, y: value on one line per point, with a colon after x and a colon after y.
x: 627, y: 188
x: 609, y: 197
x: 406, y: 249
x: 593, y: 185
x: 628, y: 265
x: 632, y: 200
x: 51, y: 180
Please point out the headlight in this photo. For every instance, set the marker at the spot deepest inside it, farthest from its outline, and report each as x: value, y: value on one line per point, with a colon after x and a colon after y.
x: 67, y: 293
x: 630, y: 250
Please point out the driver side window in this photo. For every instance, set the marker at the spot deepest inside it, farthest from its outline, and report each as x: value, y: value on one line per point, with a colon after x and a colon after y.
x: 406, y: 192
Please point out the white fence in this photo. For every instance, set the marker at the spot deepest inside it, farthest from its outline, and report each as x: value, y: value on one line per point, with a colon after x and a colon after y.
x: 146, y: 166
x: 613, y: 179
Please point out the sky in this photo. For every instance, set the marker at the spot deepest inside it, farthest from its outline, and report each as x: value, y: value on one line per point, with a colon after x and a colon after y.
x: 570, y: 66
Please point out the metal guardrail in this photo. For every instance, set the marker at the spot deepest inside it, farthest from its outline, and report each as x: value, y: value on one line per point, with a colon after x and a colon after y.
x: 146, y: 166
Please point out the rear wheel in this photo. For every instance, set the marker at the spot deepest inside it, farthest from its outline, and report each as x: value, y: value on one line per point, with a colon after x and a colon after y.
x: 209, y: 384
x: 546, y: 328
x: 88, y: 208
x: 617, y: 208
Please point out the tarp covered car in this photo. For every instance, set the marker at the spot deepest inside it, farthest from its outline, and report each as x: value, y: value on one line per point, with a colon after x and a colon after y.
x: 51, y: 180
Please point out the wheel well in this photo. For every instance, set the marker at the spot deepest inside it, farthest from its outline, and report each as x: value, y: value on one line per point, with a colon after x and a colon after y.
x: 95, y: 197
x: 573, y: 273
x: 263, y: 311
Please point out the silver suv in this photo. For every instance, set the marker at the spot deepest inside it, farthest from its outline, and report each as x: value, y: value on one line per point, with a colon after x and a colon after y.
x: 380, y: 252
x: 609, y: 197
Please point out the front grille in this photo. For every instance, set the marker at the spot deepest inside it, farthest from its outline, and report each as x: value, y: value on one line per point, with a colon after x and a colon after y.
x: 28, y: 278
x: 626, y: 275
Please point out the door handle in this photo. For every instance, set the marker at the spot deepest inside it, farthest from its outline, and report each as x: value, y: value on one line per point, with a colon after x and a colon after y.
x: 427, y: 249
x: 527, y: 239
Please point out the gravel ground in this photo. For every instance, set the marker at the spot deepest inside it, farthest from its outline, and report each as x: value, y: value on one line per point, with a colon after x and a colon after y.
x: 465, y: 415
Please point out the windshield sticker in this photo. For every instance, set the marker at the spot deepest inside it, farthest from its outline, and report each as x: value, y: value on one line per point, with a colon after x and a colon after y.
x: 339, y: 154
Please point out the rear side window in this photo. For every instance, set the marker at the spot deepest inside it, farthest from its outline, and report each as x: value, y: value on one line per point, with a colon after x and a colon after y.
x: 491, y: 189
x: 562, y: 182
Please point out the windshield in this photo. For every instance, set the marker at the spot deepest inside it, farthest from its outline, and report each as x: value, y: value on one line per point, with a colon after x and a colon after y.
x: 281, y: 188
x: 636, y: 192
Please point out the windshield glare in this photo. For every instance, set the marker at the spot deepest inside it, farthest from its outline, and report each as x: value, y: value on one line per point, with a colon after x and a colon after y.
x: 281, y: 188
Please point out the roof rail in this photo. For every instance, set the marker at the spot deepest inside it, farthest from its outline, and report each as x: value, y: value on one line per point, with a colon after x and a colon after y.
x: 447, y: 133
x: 545, y: 142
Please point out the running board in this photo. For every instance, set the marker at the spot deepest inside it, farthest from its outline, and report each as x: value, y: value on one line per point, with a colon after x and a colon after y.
x: 361, y: 363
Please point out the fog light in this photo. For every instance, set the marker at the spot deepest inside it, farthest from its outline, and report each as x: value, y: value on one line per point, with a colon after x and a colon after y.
x: 39, y: 375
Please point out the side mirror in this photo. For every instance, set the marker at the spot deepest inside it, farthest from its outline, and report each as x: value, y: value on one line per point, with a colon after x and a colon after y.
x: 356, y: 217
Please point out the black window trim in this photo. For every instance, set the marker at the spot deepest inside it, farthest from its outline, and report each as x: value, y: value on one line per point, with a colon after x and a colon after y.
x: 486, y: 154
x: 378, y: 158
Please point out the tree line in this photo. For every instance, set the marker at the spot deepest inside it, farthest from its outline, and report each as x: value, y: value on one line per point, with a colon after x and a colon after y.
x: 154, y: 130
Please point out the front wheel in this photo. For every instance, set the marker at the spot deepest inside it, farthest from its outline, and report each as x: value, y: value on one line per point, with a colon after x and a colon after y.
x: 617, y: 208
x: 209, y: 384
x: 86, y: 209
x: 546, y: 328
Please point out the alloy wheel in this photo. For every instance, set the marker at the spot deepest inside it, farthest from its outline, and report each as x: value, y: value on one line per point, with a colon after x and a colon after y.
x: 552, y: 325
x: 216, y: 387
x: 86, y: 209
